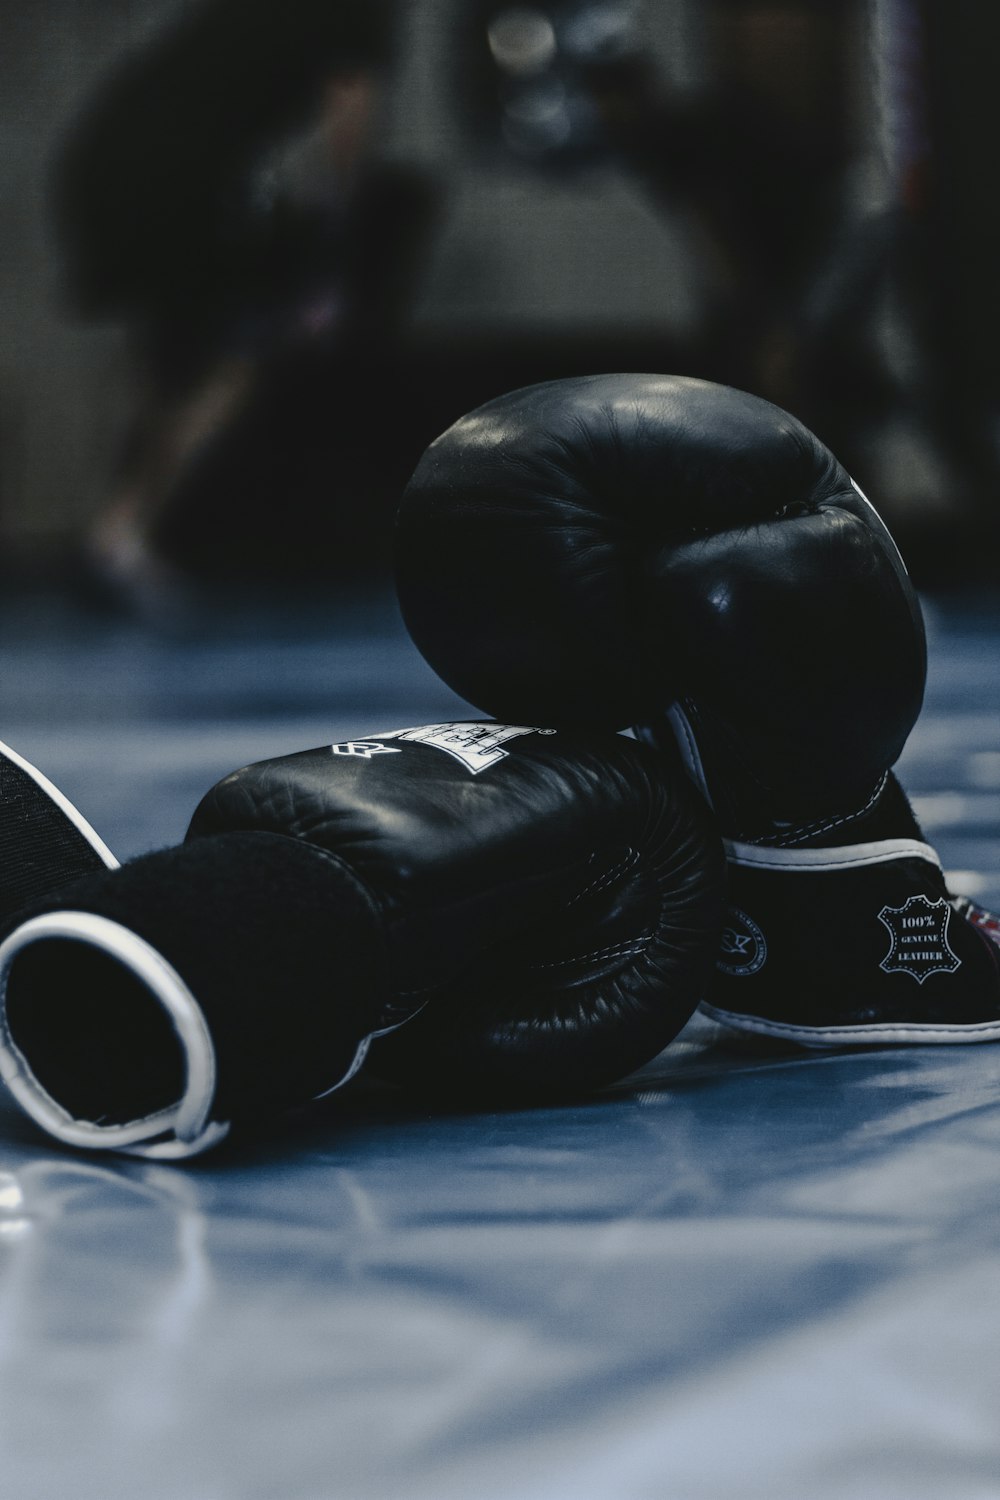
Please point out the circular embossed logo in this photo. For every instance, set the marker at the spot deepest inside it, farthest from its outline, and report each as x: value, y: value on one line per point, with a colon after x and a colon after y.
x: 743, y: 949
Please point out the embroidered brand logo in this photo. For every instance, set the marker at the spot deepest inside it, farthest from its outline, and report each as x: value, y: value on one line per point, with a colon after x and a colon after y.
x: 364, y: 748
x: 477, y: 746
x: 743, y: 949
x: 919, y: 939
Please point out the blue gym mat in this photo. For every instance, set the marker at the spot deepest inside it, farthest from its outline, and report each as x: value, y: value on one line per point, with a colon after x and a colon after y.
x: 736, y: 1275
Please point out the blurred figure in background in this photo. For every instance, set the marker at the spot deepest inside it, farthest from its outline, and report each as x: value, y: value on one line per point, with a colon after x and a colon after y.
x: 219, y: 196
x: 831, y: 163
x: 762, y: 157
x: 943, y: 97
x: 223, y: 195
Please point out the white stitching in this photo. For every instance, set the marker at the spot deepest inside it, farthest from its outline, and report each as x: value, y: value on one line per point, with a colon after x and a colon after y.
x: 809, y: 830
x: 628, y: 862
x: 617, y: 950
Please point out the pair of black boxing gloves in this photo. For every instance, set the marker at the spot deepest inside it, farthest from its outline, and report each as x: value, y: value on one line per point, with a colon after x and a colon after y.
x: 534, y: 906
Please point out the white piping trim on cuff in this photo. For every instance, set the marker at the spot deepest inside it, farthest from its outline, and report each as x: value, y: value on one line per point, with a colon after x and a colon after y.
x: 182, y: 1130
x: 847, y: 857
x: 362, y: 1052
x: 872, y: 1034
x: 64, y: 805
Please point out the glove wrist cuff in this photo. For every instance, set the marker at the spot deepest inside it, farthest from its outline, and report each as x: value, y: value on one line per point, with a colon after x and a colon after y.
x: 856, y: 945
x: 818, y: 861
x: 182, y: 1129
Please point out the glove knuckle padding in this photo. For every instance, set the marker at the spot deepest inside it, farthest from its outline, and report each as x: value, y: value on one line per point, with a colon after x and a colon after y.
x: 558, y: 910
x: 591, y: 550
x: 592, y: 990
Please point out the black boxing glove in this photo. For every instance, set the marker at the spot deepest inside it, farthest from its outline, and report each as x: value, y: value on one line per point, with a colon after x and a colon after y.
x: 689, y: 559
x: 541, y: 910
x: 145, y: 1008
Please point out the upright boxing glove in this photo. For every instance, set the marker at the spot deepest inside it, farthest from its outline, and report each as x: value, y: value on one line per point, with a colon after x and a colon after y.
x: 689, y: 559
x: 540, y: 910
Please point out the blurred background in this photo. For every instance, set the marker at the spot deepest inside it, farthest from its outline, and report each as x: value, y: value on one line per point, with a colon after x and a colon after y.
x: 256, y: 254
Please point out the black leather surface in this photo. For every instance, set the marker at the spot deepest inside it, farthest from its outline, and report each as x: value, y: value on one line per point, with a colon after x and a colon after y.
x: 565, y: 891
x: 592, y: 549
x: 282, y: 948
